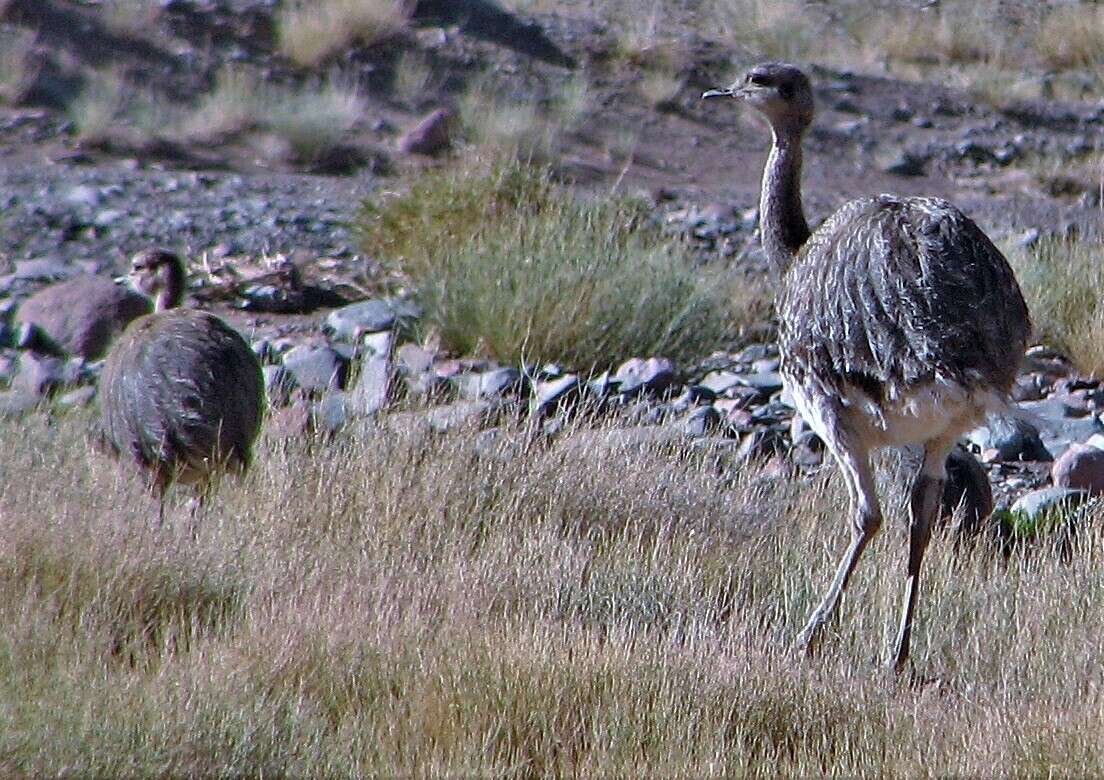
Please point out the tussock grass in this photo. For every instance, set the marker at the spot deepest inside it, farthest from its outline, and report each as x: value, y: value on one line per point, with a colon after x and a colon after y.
x: 311, y: 119
x: 509, y: 263
x: 312, y: 32
x: 398, y: 605
x: 1072, y: 37
x: 99, y: 106
x: 1063, y: 284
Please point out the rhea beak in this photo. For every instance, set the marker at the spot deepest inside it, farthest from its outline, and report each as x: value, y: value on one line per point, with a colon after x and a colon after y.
x: 712, y: 93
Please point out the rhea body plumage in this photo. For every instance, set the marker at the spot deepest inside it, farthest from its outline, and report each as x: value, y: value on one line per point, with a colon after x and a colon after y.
x: 182, y: 392
x: 900, y: 324
x: 81, y: 316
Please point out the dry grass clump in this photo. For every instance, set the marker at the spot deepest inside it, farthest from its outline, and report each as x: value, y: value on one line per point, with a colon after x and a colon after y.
x: 1072, y: 37
x: 404, y: 606
x: 16, y: 45
x: 312, y: 32
x: 1063, y: 283
x: 100, y: 105
x: 312, y: 119
x: 509, y: 263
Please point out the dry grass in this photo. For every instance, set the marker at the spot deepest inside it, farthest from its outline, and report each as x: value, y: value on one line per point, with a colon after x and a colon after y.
x: 312, y: 32
x: 100, y: 105
x: 392, y: 605
x: 15, y: 56
x: 1063, y: 283
x: 1072, y: 37
x: 311, y: 119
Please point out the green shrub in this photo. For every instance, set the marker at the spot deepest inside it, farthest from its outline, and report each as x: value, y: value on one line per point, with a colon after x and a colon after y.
x: 513, y: 265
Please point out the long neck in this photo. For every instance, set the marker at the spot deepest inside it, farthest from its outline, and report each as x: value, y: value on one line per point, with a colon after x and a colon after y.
x: 171, y: 293
x: 782, y: 226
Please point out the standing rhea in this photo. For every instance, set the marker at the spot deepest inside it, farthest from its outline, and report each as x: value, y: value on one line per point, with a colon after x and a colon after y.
x: 182, y: 392
x: 901, y: 324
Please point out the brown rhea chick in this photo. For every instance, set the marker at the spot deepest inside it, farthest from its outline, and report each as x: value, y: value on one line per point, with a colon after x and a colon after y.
x: 900, y: 323
x: 80, y: 316
x: 182, y: 392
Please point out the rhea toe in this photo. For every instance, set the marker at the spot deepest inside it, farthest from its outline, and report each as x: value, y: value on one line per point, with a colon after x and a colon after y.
x: 900, y: 324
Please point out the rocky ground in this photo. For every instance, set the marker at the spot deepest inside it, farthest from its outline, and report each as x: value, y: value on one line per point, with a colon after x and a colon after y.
x: 269, y: 240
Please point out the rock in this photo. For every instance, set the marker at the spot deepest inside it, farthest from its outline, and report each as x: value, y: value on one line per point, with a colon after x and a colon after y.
x: 41, y: 374
x: 553, y: 393
x: 766, y: 382
x: 413, y: 359
x: 279, y: 384
x: 496, y: 383
x: 331, y: 414
x: 1059, y: 425
x: 350, y: 322
x: 637, y: 375
x: 82, y: 396
x: 967, y: 491
x: 316, y: 368
x: 1039, y: 502
x: 720, y: 382
x: 905, y: 163
x: 370, y: 394
x: 1009, y: 439
x: 701, y: 421
x: 1080, y: 467
x: 471, y: 415
x: 432, y: 134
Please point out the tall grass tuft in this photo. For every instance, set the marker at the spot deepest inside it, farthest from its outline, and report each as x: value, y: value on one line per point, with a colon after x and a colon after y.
x: 312, y: 32
x: 509, y: 263
x: 1063, y: 284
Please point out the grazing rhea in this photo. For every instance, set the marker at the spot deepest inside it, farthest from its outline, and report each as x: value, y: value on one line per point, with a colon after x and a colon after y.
x: 900, y: 323
x: 81, y: 316
x: 181, y: 392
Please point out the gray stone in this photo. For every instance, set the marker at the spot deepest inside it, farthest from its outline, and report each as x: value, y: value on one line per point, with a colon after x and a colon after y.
x: 349, y: 322
x: 413, y: 359
x: 1057, y: 424
x: 41, y: 374
x: 1080, y: 467
x: 82, y: 396
x: 637, y: 375
x: 279, y: 384
x: 316, y: 368
x: 331, y: 414
x: 378, y: 343
x: 701, y: 421
x: 1039, y: 502
x: 766, y: 382
x: 471, y: 415
x: 496, y: 383
x: 719, y: 382
x: 551, y: 394
x: 370, y: 394
x: 1009, y: 439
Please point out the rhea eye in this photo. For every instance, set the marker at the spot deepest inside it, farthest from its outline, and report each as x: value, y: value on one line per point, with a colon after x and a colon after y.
x: 758, y: 79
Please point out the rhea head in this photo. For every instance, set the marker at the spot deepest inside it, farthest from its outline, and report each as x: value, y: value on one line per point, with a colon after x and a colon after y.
x: 158, y: 274
x: 777, y: 90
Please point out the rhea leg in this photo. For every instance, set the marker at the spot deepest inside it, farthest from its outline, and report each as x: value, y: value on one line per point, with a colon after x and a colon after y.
x: 866, y: 519
x: 927, y: 490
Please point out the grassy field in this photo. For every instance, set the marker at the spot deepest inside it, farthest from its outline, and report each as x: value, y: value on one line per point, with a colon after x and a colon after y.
x: 395, y: 604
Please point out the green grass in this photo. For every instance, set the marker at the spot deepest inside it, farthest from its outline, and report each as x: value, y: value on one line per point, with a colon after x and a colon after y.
x: 397, y: 605
x: 509, y: 263
x: 1063, y: 284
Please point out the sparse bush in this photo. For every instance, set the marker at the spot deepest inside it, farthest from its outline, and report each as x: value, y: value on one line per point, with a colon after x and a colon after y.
x: 1063, y: 283
x: 312, y: 32
x: 510, y: 263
